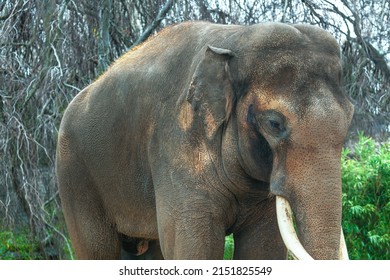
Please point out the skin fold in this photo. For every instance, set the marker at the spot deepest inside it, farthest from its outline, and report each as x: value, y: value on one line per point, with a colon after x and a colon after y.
x: 192, y: 135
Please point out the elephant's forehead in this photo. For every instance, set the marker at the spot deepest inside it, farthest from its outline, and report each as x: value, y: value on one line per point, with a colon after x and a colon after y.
x: 295, y: 69
x: 319, y: 102
x: 299, y: 83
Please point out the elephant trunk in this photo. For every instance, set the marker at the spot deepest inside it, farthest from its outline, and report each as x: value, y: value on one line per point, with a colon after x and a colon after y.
x: 314, y: 191
x: 290, y: 238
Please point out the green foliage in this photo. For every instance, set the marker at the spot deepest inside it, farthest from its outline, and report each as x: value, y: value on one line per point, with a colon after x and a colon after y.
x: 366, y: 200
x: 229, y: 247
x: 18, y: 246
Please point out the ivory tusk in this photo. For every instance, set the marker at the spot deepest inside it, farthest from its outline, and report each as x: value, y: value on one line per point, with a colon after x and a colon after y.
x: 343, y: 247
x: 286, y: 228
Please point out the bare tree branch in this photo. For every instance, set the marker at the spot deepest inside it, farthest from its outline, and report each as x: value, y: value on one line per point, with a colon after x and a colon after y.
x: 104, y: 40
x: 155, y: 23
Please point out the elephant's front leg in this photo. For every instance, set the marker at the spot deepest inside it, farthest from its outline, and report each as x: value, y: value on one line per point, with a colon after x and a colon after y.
x: 190, y: 231
x: 260, y: 237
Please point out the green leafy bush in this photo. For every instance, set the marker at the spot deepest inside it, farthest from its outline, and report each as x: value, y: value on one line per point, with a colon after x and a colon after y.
x: 18, y: 246
x: 366, y: 199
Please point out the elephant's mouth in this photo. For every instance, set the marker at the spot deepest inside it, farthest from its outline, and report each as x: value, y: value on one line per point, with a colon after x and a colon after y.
x: 289, y: 236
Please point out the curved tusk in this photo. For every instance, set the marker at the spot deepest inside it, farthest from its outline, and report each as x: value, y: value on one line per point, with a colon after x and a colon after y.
x: 343, y: 248
x: 286, y: 228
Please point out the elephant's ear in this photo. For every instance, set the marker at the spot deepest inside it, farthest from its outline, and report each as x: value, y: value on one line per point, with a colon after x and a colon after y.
x: 210, y: 92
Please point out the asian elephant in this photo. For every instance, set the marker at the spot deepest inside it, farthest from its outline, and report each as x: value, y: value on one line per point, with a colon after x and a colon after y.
x: 201, y: 132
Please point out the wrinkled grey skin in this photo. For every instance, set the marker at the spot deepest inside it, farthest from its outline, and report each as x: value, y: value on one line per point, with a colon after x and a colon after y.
x: 190, y: 137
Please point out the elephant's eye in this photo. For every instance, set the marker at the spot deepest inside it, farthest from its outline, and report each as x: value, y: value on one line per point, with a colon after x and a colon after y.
x: 274, y: 123
x: 276, y: 126
x: 271, y: 121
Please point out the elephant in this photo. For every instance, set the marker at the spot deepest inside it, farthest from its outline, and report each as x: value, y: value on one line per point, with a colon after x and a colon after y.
x: 206, y: 130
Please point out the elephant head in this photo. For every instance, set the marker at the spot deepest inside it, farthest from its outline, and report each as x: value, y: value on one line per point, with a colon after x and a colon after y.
x: 291, y: 118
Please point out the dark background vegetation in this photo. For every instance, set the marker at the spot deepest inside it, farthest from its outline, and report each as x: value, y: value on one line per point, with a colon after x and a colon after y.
x: 50, y: 49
